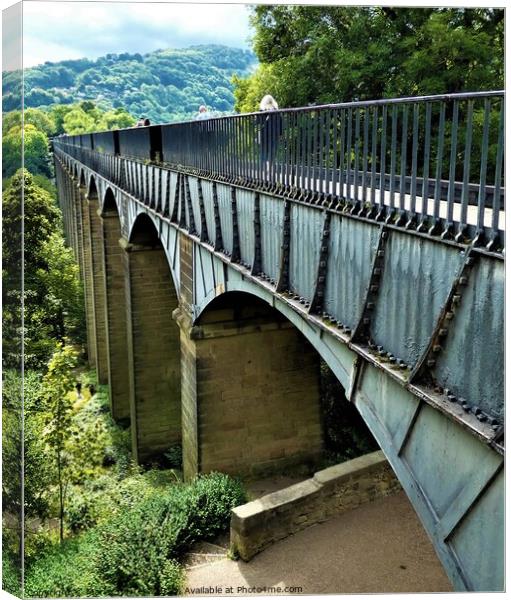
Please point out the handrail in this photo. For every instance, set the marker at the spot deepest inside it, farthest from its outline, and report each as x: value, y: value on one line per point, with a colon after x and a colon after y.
x: 422, y: 162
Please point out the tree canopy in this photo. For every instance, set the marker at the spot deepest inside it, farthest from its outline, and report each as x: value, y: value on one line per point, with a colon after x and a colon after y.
x: 326, y: 54
x: 165, y: 85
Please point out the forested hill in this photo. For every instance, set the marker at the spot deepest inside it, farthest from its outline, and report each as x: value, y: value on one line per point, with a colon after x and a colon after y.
x: 165, y: 85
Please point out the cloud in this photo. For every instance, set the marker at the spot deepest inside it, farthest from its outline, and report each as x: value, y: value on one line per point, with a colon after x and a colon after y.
x: 62, y: 30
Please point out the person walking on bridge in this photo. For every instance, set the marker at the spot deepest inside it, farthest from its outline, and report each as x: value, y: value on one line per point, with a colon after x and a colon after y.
x: 270, y: 128
x: 203, y: 113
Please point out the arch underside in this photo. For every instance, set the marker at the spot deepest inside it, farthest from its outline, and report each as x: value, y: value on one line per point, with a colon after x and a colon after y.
x: 453, y: 479
x: 432, y: 456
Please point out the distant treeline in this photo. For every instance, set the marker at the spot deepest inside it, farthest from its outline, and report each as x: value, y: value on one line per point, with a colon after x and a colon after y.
x: 165, y: 85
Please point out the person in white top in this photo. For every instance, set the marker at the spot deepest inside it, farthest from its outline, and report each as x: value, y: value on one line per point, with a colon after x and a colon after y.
x: 203, y: 113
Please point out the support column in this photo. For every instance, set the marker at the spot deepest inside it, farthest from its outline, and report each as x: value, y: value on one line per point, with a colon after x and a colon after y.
x: 79, y: 228
x: 87, y: 281
x: 73, y: 213
x: 250, y: 395
x: 116, y: 332
x: 98, y: 289
x: 153, y: 351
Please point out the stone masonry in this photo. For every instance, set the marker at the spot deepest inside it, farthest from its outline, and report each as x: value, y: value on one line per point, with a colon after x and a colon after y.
x: 262, y: 522
x: 250, y: 395
x: 115, y: 293
x: 79, y: 228
x: 153, y: 351
x: 98, y: 290
x: 88, y: 281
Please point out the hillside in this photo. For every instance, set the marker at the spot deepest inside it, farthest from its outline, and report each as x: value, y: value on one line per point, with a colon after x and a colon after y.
x: 165, y: 85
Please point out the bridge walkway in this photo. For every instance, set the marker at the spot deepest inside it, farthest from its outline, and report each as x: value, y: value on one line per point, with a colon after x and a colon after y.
x: 380, y: 547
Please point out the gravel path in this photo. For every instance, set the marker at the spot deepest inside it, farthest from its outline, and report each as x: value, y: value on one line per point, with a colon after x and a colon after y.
x: 378, y: 547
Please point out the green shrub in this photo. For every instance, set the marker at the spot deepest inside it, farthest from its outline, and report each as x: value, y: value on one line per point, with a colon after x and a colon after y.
x: 11, y: 574
x: 66, y: 569
x: 172, y: 579
x: 97, y: 501
x: 136, y: 552
x: 174, y: 456
x: 137, y: 545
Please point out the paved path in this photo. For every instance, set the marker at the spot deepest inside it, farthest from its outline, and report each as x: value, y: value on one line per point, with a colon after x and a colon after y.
x: 379, y: 547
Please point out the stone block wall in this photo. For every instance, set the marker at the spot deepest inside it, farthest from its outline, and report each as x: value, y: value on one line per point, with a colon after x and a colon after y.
x: 98, y: 289
x: 250, y: 397
x: 88, y: 280
x: 115, y: 293
x: 153, y: 351
x: 262, y: 522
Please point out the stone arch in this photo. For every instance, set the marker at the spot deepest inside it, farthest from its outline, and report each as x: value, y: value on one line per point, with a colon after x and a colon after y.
x: 82, y: 180
x: 254, y: 407
x: 339, y: 358
x: 146, y: 221
x: 92, y: 190
x: 153, y: 343
x: 109, y: 203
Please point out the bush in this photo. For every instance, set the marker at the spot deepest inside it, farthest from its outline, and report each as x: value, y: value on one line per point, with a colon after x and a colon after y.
x: 136, y: 553
x: 174, y: 456
x: 97, y: 501
x: 11, y: 574
x: 137, y: 546
x: 172, y: 579
x: 65, y: 570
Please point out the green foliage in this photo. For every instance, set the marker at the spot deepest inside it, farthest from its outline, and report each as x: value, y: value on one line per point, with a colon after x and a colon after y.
x: 37, y: 471
x: 57, y: 384
x: 143, y: 539
x: 65, y: 570
x: 44, y: 183
x: 11, y: 573
x: 35, y: 148
x: 166, y: 85
x: 135, y: 552
x: 41, y: 219
x: 325, y: 54
x: 41, y: 120
x: 174, y: 456
x: 64, y: 291
x: 172, y: 579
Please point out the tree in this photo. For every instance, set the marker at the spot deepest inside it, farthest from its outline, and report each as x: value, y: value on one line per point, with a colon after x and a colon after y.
x: 36, y: 470
x: 64, y: 292
x: 35, y: 146
x: 116, y: 119
x: 57, y: 385
x: 325, y: 54
x: 42, y: 121
x: 78, y: 121
x: 41, y: 219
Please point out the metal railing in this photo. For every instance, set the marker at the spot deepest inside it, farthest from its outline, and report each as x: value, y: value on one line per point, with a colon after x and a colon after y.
x: 432, y: 163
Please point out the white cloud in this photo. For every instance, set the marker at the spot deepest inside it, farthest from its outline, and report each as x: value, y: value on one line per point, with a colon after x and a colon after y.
x: 60, y: 30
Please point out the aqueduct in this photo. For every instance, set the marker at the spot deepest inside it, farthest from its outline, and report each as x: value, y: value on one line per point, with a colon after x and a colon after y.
x: 215, y: 280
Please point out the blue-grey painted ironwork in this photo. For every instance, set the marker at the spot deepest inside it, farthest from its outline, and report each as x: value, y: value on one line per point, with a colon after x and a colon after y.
x: 323, y: 153
x: 438, y: 419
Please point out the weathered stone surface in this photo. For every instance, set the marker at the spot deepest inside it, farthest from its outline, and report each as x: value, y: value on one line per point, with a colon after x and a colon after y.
x: 262, y: 522
x: 250, y: 398
x: 88, y: 281
x: 98, y: 289
x: 153, y: 351
x: 116, y: 332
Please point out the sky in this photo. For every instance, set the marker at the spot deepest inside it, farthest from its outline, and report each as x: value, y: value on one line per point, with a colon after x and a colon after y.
x: 55, y: 31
